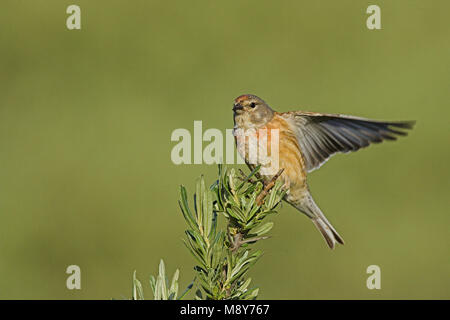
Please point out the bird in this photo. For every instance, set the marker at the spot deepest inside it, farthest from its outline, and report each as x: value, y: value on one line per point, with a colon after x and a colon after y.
x: 306, y: 140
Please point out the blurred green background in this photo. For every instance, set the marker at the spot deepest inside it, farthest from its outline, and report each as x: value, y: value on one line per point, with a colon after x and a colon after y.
x: 86, y: 118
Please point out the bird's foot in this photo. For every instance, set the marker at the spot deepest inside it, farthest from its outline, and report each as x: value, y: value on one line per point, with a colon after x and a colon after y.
x: 268, y: 187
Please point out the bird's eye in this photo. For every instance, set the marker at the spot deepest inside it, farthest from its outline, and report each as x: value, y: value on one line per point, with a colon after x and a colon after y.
x: 252, y: 105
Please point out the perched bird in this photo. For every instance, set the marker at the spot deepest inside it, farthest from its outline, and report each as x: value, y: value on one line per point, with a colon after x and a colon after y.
x: 306, y: 140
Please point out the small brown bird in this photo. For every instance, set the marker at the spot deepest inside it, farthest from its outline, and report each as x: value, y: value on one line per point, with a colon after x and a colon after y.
x: 305, y: 141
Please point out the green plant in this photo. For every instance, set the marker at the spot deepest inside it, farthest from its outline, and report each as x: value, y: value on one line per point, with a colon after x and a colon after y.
x: 223, y: 257
x: 160, y: 286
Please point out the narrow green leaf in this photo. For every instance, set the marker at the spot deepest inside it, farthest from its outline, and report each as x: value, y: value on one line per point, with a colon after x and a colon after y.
x: 158, y: 295
x: 195, y: 254
x: 239, y: 264
x: 244, y: 286
x: 153, y: 284
x: 185, y: 208
x: 207, y: 209
x: 162, y: 280
x: 189, y: 287
x: 161, y: 283
x: 253, y: 294
x: 198, y: 295
x: 138, y: 292
x: 262, y: 229
x: 198, y: 203
x: 174, y: 285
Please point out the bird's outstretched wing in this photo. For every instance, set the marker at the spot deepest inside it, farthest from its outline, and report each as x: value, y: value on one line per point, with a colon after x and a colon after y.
x: 322, y: 135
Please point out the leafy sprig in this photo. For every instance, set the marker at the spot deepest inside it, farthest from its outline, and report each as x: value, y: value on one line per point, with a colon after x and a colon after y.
x: 224, y: 257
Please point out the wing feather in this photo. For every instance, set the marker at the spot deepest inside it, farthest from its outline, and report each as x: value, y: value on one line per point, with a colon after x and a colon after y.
x: 322, y: 135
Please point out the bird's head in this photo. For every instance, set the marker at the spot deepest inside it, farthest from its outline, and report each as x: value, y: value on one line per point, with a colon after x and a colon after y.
x: 251, y: 111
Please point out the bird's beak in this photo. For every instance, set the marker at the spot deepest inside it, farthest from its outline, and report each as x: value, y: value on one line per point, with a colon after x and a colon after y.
x: 237, y: 107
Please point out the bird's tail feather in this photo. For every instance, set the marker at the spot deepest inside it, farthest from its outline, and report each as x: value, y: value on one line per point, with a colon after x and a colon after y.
x: 328, y: 232
x: 320, y: 221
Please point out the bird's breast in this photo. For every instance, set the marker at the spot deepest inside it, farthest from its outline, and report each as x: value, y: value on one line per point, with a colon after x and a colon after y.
x: 281, y: 151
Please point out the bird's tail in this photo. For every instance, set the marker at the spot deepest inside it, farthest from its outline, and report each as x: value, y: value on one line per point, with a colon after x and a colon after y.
x: 330, y: 234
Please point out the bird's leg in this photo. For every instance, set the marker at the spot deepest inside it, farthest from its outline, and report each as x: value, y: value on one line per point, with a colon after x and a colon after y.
x: 245, y: 178
x: 267, y: 187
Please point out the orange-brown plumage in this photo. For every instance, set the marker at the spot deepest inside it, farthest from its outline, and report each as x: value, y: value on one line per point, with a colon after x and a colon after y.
x: 290, y: 157
x: 305, y: 141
